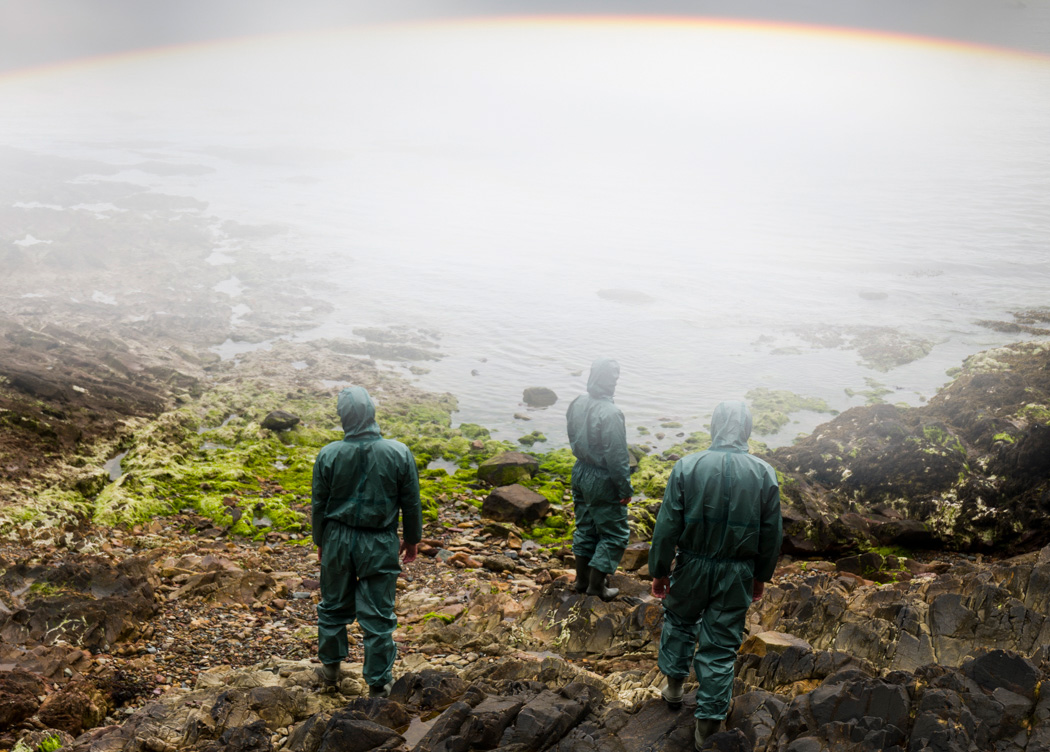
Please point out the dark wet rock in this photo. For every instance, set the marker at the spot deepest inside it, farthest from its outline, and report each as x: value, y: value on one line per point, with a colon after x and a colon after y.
x: 74, y: 708
x: 508, y: 468
x: 868, y: 708
x: 254, y: 737
x: 1000, y: 669
x: 539, y: 396
x: 280, y: 420
x: 427, y: 689
x: 514, y: 503
x: 755, y: 714
x: 306, y: 737
x: 349, y: 731
x: 727, y: 741
x: 19, y: 696
x: 652, y: 726
x: 965, y: 470
x: 382, y: 710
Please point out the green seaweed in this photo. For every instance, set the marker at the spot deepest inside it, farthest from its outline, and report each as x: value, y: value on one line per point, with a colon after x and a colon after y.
x: 771, y: 408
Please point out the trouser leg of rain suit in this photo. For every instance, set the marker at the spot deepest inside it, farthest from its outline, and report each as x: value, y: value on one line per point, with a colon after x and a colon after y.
x: 601, y: 533
x: 704, y: 617
x: 585, y: 535
x: 610, y: 520
x: 359, y: 581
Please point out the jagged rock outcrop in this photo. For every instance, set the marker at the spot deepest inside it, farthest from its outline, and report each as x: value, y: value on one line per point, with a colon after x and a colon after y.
x: 967, y: 471
x: 942, y: 619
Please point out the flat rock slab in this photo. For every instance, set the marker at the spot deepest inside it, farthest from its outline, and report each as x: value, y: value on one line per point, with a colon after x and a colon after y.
x: 772, y: 642
x: 514, y: 503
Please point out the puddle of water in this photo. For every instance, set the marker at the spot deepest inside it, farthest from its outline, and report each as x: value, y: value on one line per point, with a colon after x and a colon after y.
x: 300, y: 365
x: 230, y: 349
x: 416, y: 730
x: 205, y: 429
x: 113, y: 466
x: 327, y: 384
x: 447, y: 465
x: 213, y: 445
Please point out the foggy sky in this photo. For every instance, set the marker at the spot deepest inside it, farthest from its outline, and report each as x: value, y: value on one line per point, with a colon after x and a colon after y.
x: 41, y: 32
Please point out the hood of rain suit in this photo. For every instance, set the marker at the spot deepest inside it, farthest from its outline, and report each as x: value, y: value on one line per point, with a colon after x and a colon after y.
x: 605, y: 372
x: 357, y: 412
x: 731, y: 427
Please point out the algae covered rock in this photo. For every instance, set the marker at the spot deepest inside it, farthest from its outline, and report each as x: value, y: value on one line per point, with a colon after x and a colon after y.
x: 968, y: 470
x: 539, y: 396
x: 507, y: 468
x: 280, y: 420
x: 515, y: 503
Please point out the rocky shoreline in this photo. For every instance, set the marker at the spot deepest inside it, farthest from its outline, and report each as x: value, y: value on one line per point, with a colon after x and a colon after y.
x: 173, y: 607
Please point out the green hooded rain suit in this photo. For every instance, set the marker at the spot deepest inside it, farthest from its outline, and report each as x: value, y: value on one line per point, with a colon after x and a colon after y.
x: 720, y: 522
x: 360, y: 485
x: 601, y: 477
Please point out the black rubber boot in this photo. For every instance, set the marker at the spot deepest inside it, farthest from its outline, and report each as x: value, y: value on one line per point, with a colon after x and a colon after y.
x: 596, y: 585
x: 672, y: 693
x: 330, y: 674
x: 583, y: 570
x: 704, y: 728
x: 380, y: 690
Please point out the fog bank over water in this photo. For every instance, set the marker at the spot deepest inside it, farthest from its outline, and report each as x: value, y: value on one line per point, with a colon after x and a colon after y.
x: 719, y: 207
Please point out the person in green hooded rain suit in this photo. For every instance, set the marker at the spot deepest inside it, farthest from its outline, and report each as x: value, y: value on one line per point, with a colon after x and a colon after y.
x: 360, y: 486
x: 720, y: 523
x: 601, y: 480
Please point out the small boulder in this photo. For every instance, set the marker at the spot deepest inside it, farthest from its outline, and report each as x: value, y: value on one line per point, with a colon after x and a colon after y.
x: 279, y: 420
x: 635, y: 556
x: 19, y: 696
x: 507, y: 468
x: 76, y: 707
x: 539, y: 396
x: 514, y: 503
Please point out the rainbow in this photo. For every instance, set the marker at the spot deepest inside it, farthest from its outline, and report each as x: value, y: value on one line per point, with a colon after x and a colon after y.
x: 668, y: 22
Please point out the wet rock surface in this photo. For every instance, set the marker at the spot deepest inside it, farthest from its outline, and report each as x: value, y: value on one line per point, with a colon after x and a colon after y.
x: 966, y: 471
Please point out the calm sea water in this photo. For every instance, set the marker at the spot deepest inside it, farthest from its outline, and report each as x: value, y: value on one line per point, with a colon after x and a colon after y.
x: 733, y: 186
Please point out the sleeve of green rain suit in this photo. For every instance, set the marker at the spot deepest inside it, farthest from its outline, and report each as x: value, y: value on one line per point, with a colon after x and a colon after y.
x: 408, y: 501
x: 669, y: 526
x: 617, y: 458
x: 320, y: 493
x: 771, y: 535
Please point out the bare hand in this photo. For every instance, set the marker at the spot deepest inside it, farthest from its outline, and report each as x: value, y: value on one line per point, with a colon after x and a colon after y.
x: 409, y: 552
x: 660, y: 587
x: 757, y: 589
x: 626, y: 501
x: 318, y: 554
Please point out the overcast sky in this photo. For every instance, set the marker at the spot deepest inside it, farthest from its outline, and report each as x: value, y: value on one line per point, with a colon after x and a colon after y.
x: 40, y: 32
